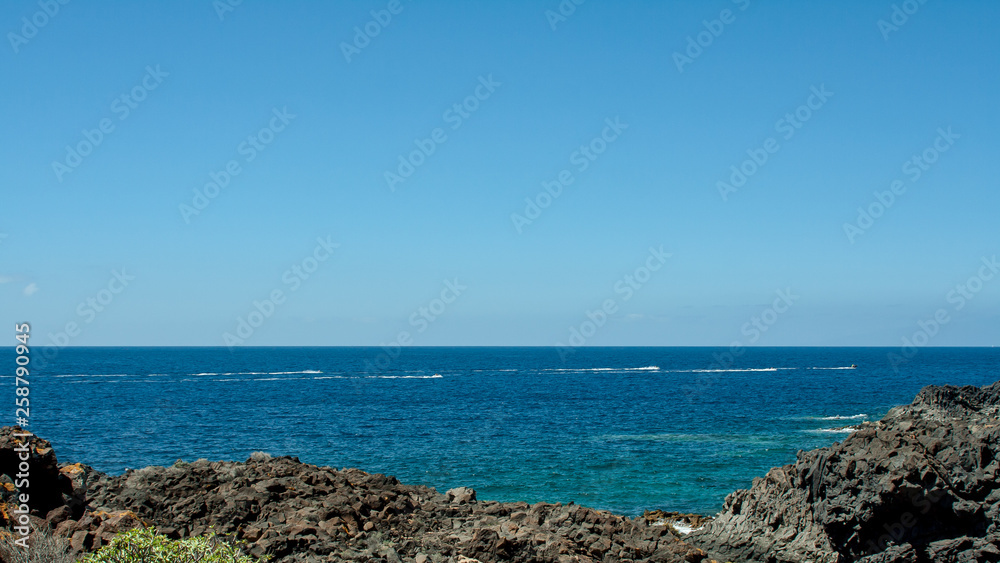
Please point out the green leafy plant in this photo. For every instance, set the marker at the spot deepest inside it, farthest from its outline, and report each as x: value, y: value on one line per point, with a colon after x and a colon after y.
x: 143, y: 545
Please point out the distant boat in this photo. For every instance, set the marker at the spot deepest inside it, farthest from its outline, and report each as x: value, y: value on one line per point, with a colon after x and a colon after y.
x: 854, y: 366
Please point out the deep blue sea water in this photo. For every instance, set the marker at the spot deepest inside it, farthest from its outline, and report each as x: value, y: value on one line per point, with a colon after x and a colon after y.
x: 624, y: 429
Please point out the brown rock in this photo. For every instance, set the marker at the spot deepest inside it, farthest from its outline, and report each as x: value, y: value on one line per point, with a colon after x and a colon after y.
x: 461, y: 495
x: 58, y: 515
x: 81, y: 540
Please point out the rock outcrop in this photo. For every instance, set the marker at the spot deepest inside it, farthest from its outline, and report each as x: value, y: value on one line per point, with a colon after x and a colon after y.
x: 28, y: 466
x: 919, y: 485
x: 298, y: 512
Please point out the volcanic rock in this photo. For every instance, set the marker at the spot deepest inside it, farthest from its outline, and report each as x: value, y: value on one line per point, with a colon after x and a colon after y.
x: 919, y: 485
x: 297, y: 512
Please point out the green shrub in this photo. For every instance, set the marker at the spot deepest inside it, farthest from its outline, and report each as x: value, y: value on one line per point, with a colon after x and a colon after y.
x: 143, y: 545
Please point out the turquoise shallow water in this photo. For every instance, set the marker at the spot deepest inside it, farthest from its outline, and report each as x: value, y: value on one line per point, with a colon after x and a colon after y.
x: 624, y: 429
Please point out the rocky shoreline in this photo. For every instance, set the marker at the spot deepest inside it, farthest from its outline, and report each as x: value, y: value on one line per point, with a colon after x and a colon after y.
x: 919, y: 485
x: 298, y: 512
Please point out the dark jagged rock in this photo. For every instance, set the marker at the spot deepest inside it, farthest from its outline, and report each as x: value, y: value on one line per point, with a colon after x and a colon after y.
x: 300, y: 512
x: 297, y: 512
x: 28, y: 466
x: 919, y: 485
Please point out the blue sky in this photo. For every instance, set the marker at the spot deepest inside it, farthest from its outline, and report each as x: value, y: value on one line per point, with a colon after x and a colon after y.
x: 202, y: 86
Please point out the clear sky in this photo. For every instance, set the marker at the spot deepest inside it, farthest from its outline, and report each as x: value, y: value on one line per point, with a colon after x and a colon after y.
x: 643, y: 109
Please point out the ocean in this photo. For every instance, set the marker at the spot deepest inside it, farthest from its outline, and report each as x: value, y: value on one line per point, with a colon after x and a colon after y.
x: 621, y: 429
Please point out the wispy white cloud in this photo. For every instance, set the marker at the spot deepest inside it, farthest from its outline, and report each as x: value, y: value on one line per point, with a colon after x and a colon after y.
x: 30, y: 289
x: 6, y: 279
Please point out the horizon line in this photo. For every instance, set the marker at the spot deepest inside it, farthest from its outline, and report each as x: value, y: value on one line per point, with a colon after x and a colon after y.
x: 486, y: 346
